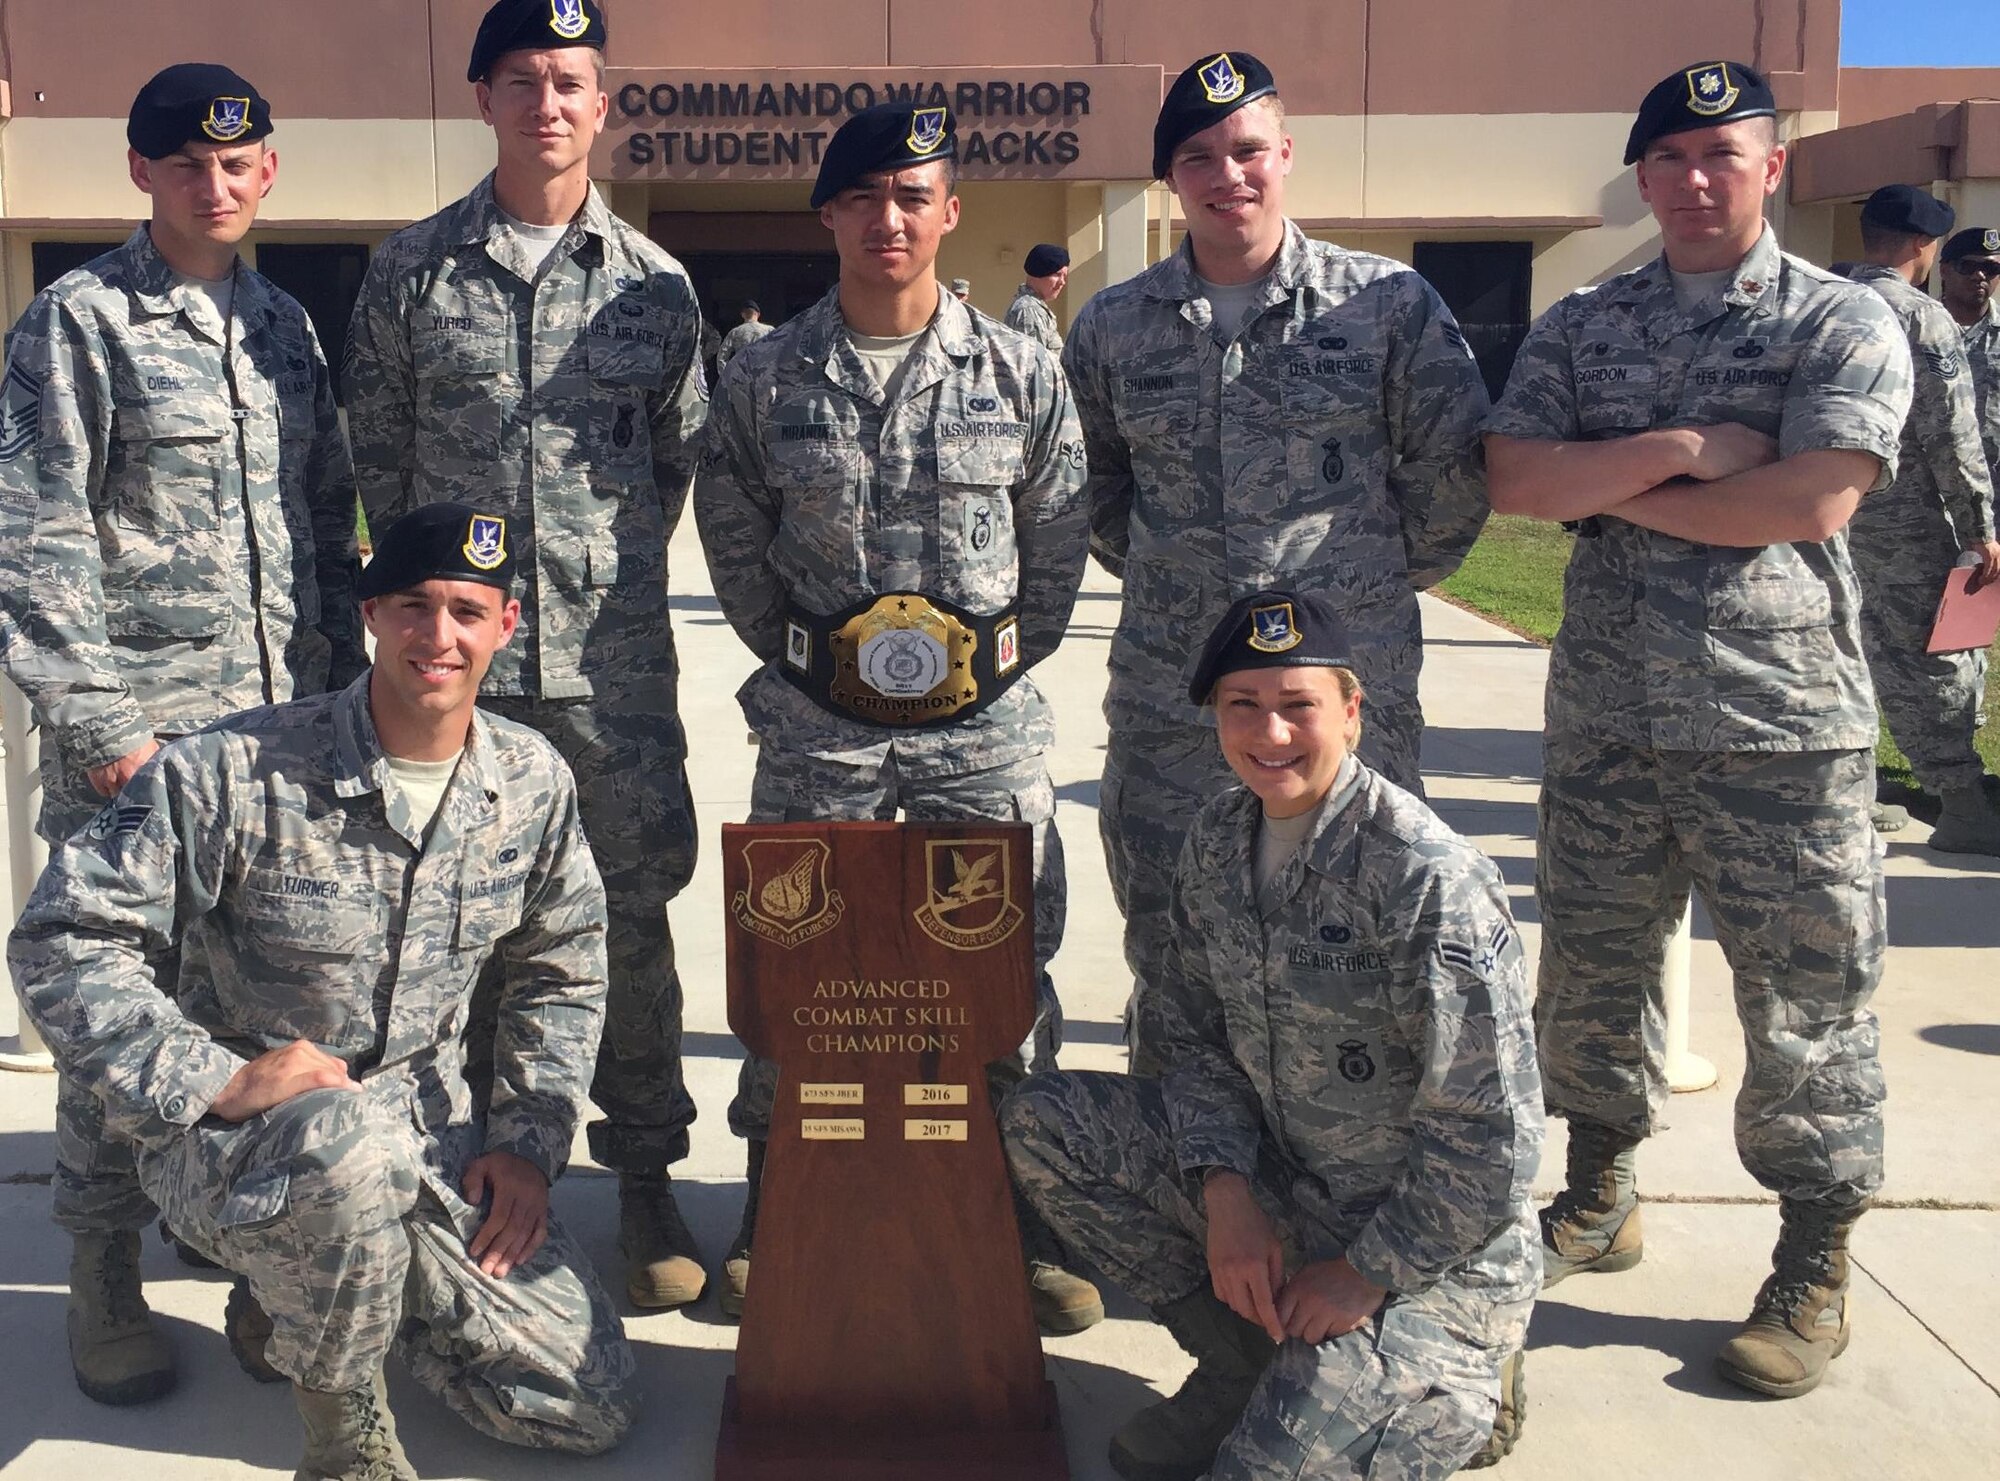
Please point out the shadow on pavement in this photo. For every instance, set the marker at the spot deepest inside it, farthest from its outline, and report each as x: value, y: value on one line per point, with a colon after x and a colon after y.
x: 1505, y: 755
x: 1690, y: 1341
x: 27, y: 1156
x: 1944, y: 910
x: 1972, y: 1038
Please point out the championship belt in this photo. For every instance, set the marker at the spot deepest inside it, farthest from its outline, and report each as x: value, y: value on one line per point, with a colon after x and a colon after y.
x: 904, y: 660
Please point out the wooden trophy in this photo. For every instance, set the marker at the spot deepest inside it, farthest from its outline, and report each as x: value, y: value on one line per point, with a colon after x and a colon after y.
x: 886, y: 1334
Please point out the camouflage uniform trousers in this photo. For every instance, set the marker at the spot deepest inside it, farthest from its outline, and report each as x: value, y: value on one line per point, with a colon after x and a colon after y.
x: 1157, y: 776
x: 627, y: 751
x: 1094, y: 1154
x: 795, y: 787
x: 1780, y: 848
x: 1932, y: 700
x: 355, y: 1247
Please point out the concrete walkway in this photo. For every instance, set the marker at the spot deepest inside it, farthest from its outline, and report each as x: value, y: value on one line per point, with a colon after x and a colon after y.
x: 1619, y: 1376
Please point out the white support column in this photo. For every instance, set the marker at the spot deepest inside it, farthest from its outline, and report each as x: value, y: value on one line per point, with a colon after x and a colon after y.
x: 26, y: 853
x: 1125, y: 222
x: 1686, y: 1071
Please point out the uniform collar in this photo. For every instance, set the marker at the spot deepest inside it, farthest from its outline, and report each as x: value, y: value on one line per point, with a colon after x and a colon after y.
x: 480, y: 222
x: 949, y: 336
x: 361, y: 766
x: 1751, y: 281
x: 160, y: 290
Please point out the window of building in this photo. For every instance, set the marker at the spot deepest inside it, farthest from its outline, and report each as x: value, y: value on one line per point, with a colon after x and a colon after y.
x: 325, y: 277
x: 53, y: 259
x: 1485, y: 285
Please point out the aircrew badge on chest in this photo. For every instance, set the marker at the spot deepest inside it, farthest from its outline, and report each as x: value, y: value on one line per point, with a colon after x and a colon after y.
x: 228, y: 119
x: 926, y: 130
x: 786, y: 899
x: 1274, y: 629
x: 1220, y: 81
x: 568, y: 19
x: 1709, y: 89
x: 486, y: 541
x: 968, y: 902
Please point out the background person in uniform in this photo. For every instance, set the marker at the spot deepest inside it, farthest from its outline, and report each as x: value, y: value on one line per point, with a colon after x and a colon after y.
x: 1047, y: 270
x: 178, y: 543
x: 1258, y: 409
x: 1905, y: 539
x: 527, y: 348
x: 336, y: 873
x: 1713, y: 418
x: 745, y: 334
x: 1325, y: 1198
x: 891, y: 441
x: 961, y: 289
x: 1971, y: 261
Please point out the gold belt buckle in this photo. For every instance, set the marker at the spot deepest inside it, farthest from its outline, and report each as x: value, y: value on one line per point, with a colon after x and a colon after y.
x: 902, y: 662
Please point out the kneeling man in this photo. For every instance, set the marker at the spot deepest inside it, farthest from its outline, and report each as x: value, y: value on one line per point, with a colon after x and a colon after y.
x: 337, y: 873
x: 1324, y: 1198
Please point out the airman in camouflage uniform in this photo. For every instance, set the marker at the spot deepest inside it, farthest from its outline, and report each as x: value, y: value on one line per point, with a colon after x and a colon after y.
x: 1713, y: 417
x: 176, y: 542
x: 1906, y: 539
x: 1971, y: 270
x: 1328, y: 440
x: 565, y: 387
x: 962, y: 480
x: 299, y: 1104
x: 752, y: 329
x: 1348, y: 1045
x: 1047, y: 269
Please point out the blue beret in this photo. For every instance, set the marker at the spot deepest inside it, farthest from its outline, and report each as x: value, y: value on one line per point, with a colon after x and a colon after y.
x: 1906, y: 208
x: 1974, y: 241
x: 1699, y: 97
x: 1045, y: 261
x: 439, y: 542
x: 1206, y: 93
x: 889, y: 136
x: 195, y: 100
x: 1272, y: 629
x: 519, y: 25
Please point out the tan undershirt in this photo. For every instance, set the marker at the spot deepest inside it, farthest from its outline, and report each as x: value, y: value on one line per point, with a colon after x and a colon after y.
x: 423, y: 784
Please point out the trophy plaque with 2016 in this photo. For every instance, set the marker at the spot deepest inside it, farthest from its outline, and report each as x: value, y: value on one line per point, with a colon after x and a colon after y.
x: 886, y: 1328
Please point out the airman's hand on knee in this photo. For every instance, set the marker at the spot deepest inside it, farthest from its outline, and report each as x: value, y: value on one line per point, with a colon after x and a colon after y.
x: 518, y: 1220
x: 1245, y: 1261
x: 275, y: 1076
x: 1327, y: 1298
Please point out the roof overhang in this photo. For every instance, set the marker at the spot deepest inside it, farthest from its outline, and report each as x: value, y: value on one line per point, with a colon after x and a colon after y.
x: 1939, y: 141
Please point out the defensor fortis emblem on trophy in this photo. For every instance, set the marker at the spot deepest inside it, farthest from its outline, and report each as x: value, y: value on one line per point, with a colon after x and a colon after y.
x: 968, y: 903
x: 787, y: 900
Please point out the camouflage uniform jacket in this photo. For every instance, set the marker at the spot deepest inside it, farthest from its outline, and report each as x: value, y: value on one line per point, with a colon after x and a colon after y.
x: 564, y: 400
x: 306, y: 905
x: 1029, y: 315
x: 176, y: 506
x: 740, y: 338
x: 1369, y: 1031
x: 1680, y: 645
x: 1982, y: 353
x: 967, y: 485
x: 1333, y: 445
x: 1943, y: 494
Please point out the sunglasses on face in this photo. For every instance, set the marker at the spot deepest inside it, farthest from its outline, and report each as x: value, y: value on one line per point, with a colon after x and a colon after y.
x: 1981, y: 268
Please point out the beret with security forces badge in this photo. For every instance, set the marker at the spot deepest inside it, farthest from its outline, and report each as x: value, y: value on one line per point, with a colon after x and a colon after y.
x: 524, y: 25
x: 1974, y: 241
x: 194, y: 101
x: 886, y: 137
x: 1202, y: 96
x: 1699, y: 97
x: 1271, y: 629
x: 439, y: 542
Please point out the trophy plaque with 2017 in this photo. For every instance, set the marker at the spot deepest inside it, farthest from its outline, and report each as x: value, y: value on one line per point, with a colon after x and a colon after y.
x: 886, y: 1330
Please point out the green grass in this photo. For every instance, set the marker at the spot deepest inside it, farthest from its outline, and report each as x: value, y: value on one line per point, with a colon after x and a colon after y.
x: 1514, y: 576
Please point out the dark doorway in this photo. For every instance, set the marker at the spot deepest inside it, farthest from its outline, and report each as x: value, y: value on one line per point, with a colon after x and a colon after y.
x: 53, y: 259
x: 781, y: 283
x: 1485, y: 285
x: 325, y: 277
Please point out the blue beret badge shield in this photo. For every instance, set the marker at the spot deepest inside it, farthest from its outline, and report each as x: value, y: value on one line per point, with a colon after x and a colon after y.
x: 1274, y: 629
x: 1710, y: 92
x: 1990, y: 239
x: 568, y: 19
x: 228, y: 119
x: 1221, y: 81
x: 926, y: 130
x: 486, y: 541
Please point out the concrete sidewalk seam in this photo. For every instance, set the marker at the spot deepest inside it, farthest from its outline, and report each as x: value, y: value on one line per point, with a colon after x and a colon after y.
x: 1935, y: 1335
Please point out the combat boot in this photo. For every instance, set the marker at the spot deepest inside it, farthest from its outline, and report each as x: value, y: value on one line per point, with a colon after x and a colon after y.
x: 118, y: 1355
x: 1176, y: 1439
x: 662, y: 1263
x: 1889, y: 817
x: 1062, y: 1302
x: 1799, y: 1322
x: 1593, y: 1224
x: 350, y: 1436
x: 249, y: 1332
x: 1968, y: 824
x: 1511, y: 1417
x: 736, y: 1267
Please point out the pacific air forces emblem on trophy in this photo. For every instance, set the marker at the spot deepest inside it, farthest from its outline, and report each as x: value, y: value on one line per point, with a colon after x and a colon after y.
x: 968, y: 904
x: 787, y: 900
